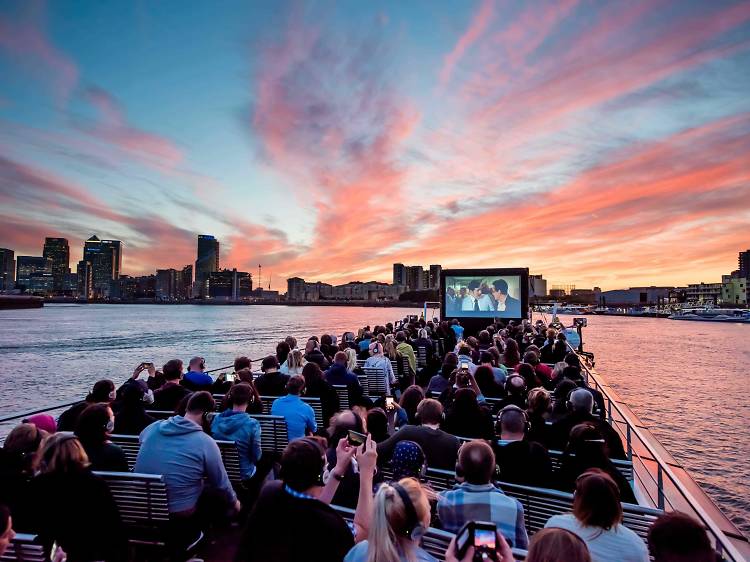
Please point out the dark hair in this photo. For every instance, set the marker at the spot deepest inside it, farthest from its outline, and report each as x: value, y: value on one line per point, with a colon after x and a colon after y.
x: 201, y: 402
x: 401, y: 336
x: 242, y: 394
x: 511, y: 356
x: 269, y: 362
x: 312, y: 373
x: 484, y: 337
x: 430, y: 411
x: 573, y: 360
x: 501, y: 286
x: 341, y: 358
x: 486, y: 357
x: 410, y: 400
x: 476, y: 462
x: 473, y: 284
x: 326, y: 339
x: 465, y: 406
x: 172, y: 369
x: 596, y: 502
x: 302, y: 464
x: 677, y: 537
x: 295, y: 385
x: 531, y: 358
x: 4, y: 519
x: 245, y: 375
x: 101, y: 391
x: 242, y: 363
x: 282, y: 351
x: 377, y: 424
x: 91, y: 427
x: 572, y: 373
x: 529, y: 375
x: 555, y: 544
x: 485, y: 378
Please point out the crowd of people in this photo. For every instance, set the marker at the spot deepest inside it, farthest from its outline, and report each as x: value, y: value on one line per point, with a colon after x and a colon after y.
x: 487, y: 408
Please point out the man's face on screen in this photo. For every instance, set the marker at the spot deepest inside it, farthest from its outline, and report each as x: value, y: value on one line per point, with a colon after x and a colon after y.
x: 499, y: 297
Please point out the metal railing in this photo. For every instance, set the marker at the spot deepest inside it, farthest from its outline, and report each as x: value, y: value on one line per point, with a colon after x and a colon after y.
x: 654, y: 475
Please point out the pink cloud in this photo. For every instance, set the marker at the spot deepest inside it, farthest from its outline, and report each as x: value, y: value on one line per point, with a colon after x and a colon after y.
x: 479, y: 24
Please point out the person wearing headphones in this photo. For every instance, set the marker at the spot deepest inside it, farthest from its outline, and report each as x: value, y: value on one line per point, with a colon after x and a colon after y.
x: 477, y: 499
x: 520, y: 461
x: 400, y: 516
x: 378, y: 360
x: 515, y: 389
x: 196, y: 378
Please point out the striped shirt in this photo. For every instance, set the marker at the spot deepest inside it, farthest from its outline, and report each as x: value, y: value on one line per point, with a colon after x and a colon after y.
x: 483, y: 502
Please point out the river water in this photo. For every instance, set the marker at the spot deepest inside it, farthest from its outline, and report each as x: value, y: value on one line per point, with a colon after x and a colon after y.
x: 686, y: 380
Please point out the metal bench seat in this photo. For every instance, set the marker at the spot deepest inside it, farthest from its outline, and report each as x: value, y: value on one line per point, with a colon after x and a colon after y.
x: 313, y: 401
x: 343, y: 391
x: 274, y: 436
x: 24, y: 548
x: 375, y: 382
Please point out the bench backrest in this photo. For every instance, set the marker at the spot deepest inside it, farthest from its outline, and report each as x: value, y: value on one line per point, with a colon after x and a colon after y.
x: 230, y: 457
x: 130, y: 445
x: 625, y: 467
x: 141, y: 500
x: 160, y: 414
x: 421, y: 356
x: 24, y: 548
x: 313, y: 401
x: 343, y: 391
x: 376, y: 384
x: 274, y: 436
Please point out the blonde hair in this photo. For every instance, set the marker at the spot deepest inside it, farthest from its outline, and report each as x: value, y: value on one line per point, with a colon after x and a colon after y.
x: 25, y: 441
x: 539, y: 401
x: 387, y: 537
x: 351, y: 358
x: 295, y: 360
x: 63, y: 452
x: 390, y: 348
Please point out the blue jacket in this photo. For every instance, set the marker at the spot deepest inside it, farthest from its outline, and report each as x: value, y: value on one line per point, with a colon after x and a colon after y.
x: 178, y: 449
x: 243, y: 430
x: 299, y: 416
x: 195, y: 380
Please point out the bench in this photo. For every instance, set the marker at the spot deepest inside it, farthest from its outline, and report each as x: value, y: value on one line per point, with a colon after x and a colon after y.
x: 421, y: 356
x: 343, y: 391
x: 142, y: 502
x: 130, y: 445
x: 274, y: 436
x: 625, y: 467
x: 160, y: 414
x: 313, y: 401
x: 540, y: 504
x: 375, y: 382
x: 24, y: 548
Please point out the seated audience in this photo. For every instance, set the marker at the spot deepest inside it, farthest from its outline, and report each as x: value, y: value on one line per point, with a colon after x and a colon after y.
x: 407, y: 411
x: 557, y: 545
x: 597, y: 519
x: 520, y: 460
x: 488, y: 383
x: 45, y: 422
x: 538, y: 412
x: 191, y: 464
x: 196, y: 378
x: 255, y: 404
x: 339, y: 374
x: 102, y: 393
x: 406, y: 350
x: 327, y: 347
x: 235, y: 424
x: 291, y: 520
x: 543, y: 372
x: 400, y: 515
x: 511, y: 355
x: 529, y: 375
x: 442, y: 380
x: 580, y: 404
x: 299, y: 416
x: 7, y: 534
x: 378, y: 360
x: 317, y: 387
x: 19, y: 460
x: 271, y: 382
x: 73, y: 507
x: 172, y: 392
x: 408, y: 461
x: 95, y: 425
x: 487, y: 359
x: 574, y: 373
x: 341, y: 423
x: 477, y: 499
x: 283, y: 349
x: 467, y: 418
x: 440, y: 448
x: 587, y: 449
x: 677, y: 537
x: 515, y: 392
x: 314, y: 355
x: 377, y: 425
x: 131, y: 418
x: 294, y: 363
x: 464, y: 356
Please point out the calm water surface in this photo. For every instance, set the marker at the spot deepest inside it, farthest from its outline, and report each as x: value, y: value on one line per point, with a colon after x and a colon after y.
x: 686, y: 380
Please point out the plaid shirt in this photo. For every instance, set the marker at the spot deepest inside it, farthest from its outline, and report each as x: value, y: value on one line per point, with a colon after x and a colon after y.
x: 483, y: 502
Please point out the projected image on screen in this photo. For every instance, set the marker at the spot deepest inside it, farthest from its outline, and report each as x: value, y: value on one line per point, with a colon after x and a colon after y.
x: 490, y: 297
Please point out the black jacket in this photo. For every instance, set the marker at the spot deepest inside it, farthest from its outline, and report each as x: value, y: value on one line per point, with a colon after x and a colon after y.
x: 132, y: 419
x: 283, y: 528
x: 316, y: 356
x: 329, y: 399
x: 523, y: 462
x: 560, y: 431
x: 272, y: 384
x: 169, y: 396
x: 440, y: 448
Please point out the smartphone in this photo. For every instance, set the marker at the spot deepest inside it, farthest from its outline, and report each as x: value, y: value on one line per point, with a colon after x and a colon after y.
x: 485, y: 535
x: 464, y: 366
x: 356, y: 439
x: 389, y: 402
x: 230, y: 377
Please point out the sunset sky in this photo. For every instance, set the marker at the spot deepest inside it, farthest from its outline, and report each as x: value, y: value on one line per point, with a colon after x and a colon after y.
x: 598, y: 143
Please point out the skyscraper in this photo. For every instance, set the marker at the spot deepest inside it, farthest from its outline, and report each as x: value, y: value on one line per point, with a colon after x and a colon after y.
x: 415, y: 278
x: 57, y: 251
x: 435, y: 276
x: 207, y: 262
x: 399, y: 274
x: 7, y: 269
x: 85, y: 279
x: 743, y: 263
x: 34, y: 274
x: 166, y: 284
x: 184, y: 283
x: 105, y: 257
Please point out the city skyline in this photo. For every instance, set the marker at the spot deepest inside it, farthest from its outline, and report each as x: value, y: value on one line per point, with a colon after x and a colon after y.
x: 600, y: 144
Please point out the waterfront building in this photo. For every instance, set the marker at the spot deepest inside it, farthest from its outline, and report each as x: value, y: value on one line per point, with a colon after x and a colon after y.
x: 7, y: 269
x: 207, y: 262
x: 435, y: 270
x: 414, y: 278
x: 295, y: 289
x: 367, y: 291
x: 105, y: 257
x: 85, y: 280
x: 184, y: 283
x: 229, y: 285
x: 636, y: 296
x: 34, y: 274
x: 166, y: 284
x: 57, y: 251
x: 704, y: 293
x: 586, y: 296
x: 70, y: 284
x: 399, y: 274
x: 265, y: 294
x: 537, y: 286
x: 734, y: 289
x: 743, y: 263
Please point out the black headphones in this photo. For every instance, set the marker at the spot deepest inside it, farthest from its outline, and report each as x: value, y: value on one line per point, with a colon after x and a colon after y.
x: 514, y: 408
x: 37, y: 441
x: 510, y: 378
x: 414, y: 527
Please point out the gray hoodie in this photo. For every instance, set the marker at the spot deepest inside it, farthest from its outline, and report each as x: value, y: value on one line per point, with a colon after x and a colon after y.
x: 178, y: 449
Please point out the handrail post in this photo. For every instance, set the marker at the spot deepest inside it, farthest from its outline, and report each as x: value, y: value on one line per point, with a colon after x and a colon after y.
x: 628, y: 439
x: 609, y: 410
x: 660, y: 486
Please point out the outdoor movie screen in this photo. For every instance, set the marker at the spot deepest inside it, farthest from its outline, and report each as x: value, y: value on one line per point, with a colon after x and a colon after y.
x: 497, y: 296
